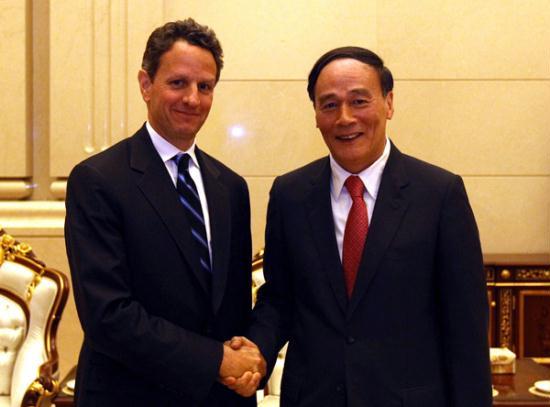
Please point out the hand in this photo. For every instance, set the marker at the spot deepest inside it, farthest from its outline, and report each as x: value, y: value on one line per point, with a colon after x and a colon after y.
x: 246, y: 383
x: 240, y: 356
x: 242, y: 343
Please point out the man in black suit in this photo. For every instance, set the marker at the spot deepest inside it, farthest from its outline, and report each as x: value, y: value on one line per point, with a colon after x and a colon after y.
x: 372, y: 262
x: 160, y: 251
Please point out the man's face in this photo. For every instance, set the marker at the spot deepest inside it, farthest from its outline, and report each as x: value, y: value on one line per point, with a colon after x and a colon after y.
x: 180, y: 96
x: 351, y: 113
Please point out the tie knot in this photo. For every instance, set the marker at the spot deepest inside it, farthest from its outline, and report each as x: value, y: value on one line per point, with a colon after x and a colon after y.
x: 355, y: 186
x: 182, y: 161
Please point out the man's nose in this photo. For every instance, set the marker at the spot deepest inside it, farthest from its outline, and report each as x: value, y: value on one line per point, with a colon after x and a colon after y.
x: 346, y: 116
x: 191, y: 97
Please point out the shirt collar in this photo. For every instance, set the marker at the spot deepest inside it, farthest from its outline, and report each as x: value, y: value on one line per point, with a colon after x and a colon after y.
x: 166, y: 150
x: 370, y: 176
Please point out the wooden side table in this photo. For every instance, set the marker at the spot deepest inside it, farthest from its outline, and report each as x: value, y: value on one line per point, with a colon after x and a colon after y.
x: 513, y: 389
x: 518, y: 287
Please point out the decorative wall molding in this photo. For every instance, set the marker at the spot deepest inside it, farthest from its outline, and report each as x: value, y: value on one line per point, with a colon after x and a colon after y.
x: 15, y: 82
x: 15, y: 189
x: 88, y: 80
x: 59, y: 189
x: 33, y: 218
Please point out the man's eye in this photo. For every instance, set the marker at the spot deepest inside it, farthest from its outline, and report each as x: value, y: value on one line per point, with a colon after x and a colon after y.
x: 359, y: 102
x: 205, y: 87
x: 178, y: 83
x: 328, y: 106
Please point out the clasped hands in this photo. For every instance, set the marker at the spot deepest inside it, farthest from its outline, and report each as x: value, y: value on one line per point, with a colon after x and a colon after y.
x: 243, y: 366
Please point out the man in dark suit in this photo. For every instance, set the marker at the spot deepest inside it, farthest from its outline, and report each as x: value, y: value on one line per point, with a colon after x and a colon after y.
x: 158, y: 240
x: 373, y: 264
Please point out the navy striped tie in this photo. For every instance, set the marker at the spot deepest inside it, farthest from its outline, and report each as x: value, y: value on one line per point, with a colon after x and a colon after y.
x: 189, y: 197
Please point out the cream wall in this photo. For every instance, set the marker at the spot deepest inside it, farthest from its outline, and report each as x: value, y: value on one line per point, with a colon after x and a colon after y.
x: 472, y: 93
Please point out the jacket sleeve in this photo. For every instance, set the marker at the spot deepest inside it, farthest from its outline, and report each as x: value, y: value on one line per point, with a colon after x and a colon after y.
x: 463, y: 300
x: 114, y: 322
x: 272, y: 312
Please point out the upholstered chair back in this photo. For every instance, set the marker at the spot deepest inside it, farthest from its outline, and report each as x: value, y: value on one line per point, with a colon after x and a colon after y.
x: 32, y: 298
x: 13, y: 329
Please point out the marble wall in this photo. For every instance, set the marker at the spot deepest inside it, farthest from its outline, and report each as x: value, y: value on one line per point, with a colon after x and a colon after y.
x: 472, y: 86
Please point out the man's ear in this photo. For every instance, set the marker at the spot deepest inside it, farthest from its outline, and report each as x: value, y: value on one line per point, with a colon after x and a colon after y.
x: 145, y: 84
x: 389, y: 105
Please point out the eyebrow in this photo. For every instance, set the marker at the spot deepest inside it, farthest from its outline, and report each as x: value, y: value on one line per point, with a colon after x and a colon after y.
x: 357, y: 91
x: 185, y: 77
x: 324, y: 98
x: 361, y: 91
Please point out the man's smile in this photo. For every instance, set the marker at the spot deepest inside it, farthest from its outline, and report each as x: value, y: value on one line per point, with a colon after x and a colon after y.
x: 349, y: 137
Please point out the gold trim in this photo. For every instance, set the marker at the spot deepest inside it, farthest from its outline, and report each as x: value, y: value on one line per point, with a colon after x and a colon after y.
x: 11, y: 248
x: 518, y: 284
x: 29, y: 292
x: 533, y: 274
x: 40, y: 392
x: 505, y: 274
x: 59, y: 304
x: 505, y: 317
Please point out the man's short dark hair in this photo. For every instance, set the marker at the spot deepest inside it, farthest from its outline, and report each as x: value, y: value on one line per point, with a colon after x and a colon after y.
x: 361, y: 54
x: 163, y: 38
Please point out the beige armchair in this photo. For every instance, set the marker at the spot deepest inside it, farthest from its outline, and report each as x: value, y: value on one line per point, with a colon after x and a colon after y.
x: 32, y: 298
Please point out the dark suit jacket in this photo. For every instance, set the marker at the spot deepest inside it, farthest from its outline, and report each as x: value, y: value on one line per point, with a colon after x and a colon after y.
x: 414, y: 332
x: 152, y: 321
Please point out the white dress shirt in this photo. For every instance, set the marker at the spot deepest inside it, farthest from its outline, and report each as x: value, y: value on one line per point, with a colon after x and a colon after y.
x: 341, y: 199
x: 167, y: 152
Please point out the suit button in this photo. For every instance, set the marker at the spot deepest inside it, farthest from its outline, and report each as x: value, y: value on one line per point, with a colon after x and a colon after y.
x: 350, y: 340
x: 339, y: 389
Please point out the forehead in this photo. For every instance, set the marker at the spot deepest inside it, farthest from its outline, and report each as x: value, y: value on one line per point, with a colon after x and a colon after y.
x: 185, y: 56
x: 346, y: 74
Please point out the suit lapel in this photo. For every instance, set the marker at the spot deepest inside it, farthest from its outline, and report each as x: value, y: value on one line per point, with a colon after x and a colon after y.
x: 220, y: 225
x: 159, y: 190
x: 391, y: 205
x: 320, y: 217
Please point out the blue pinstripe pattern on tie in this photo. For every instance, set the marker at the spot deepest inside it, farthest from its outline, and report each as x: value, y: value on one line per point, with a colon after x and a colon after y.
x: 189, y: 197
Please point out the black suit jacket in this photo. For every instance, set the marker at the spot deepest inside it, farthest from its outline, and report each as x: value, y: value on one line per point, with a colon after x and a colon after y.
x: 414, y: 332
x: 152, y: 321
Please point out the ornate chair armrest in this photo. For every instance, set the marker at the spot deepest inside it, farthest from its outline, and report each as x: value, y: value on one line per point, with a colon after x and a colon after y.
x: 40, y: 392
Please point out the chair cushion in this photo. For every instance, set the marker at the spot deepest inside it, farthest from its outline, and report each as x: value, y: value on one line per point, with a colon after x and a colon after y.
x: 269, y: 401
x: 12, y: 332
x: 274, y: 382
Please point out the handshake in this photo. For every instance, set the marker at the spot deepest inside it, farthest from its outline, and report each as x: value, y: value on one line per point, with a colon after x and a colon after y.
x: 243, y: 366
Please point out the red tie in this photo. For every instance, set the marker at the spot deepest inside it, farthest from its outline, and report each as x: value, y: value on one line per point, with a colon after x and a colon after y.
x: 355, y: 234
